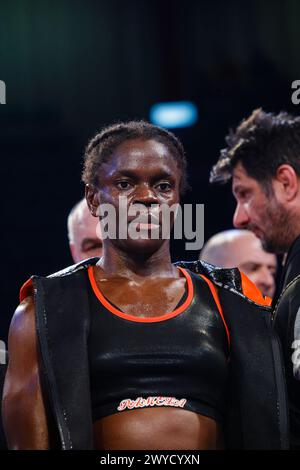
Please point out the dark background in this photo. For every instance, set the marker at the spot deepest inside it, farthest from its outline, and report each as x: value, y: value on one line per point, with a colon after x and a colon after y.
x: 72, y: 66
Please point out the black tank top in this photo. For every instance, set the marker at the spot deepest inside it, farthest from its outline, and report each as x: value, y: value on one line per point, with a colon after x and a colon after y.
x: 179, y: 359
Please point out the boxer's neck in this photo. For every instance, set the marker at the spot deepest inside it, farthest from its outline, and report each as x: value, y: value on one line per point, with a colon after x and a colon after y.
x: 116, y: 262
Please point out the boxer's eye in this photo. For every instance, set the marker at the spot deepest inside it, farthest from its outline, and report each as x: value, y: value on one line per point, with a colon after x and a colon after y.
x: 165, y: 187
x: 123, y: 184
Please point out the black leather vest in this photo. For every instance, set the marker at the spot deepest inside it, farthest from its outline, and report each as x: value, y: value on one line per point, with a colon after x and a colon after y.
x: 256, y: 417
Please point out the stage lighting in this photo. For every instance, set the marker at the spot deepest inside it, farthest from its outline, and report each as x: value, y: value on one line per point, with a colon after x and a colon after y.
x: 174, y: 114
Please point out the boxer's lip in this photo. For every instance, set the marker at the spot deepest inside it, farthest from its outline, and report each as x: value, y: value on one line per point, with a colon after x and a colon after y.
x: 146, y: 219
x: 147, y: 226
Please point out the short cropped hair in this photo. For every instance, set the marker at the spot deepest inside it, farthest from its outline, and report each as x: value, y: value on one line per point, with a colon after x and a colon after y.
x: 101, y: 147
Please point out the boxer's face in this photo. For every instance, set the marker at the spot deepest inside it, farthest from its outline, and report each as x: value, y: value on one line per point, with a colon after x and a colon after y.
x: 260, y: 212
x: 146, y: 174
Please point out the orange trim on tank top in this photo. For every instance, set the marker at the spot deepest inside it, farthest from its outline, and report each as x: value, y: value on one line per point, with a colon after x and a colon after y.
x: 252, y: 292
x: 217, y: 300
x: 126, y: 316
x: 26, y: 289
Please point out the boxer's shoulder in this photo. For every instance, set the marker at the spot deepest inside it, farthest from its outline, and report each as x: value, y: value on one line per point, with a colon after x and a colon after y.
x: 27, y: 289
x: 82, y: 265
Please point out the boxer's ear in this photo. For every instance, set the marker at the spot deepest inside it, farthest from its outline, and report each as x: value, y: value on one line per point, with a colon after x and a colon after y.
x: 92, y: 199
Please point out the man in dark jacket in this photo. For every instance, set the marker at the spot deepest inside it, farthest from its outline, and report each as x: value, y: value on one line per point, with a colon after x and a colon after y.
x: 263, y: 160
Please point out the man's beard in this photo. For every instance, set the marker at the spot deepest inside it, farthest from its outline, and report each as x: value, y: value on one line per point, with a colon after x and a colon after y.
x: 278, y: 234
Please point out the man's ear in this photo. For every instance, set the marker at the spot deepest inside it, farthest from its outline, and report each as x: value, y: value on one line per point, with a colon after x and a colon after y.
x: 287, y: 182
x: 92, y: 199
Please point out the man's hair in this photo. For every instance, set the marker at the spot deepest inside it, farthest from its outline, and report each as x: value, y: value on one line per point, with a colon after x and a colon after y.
x: 101, y: 147
x: 261, y: 143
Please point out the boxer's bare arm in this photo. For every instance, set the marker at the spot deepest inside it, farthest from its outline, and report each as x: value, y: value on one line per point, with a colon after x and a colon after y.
x: 23, y: 409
